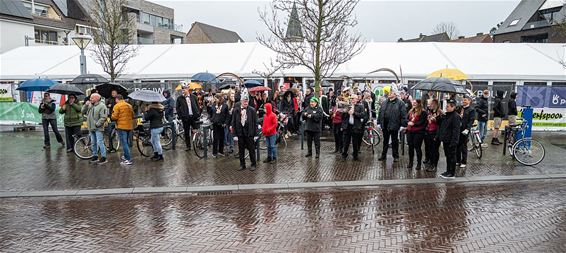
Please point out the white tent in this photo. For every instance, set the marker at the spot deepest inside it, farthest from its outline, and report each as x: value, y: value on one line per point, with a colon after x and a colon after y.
x: 481, y: 61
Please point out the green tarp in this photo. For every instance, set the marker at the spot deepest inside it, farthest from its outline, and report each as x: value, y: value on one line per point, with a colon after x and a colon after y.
x: 18, y: 112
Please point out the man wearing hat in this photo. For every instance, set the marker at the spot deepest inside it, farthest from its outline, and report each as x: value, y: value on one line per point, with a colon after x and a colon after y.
x: 392, y: 116
x: 468, y: 117
x: 313, y: 116
x: 244, y: 126
x: 189, y: 113
x: 448, y: 134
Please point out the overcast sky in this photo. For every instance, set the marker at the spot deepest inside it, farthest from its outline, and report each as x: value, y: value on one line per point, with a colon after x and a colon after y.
x: 379, y: 20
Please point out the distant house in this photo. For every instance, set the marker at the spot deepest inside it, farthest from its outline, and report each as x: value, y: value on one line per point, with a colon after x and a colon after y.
x: 534, y: 21
x: 203, y: 33
x: 441, y: 37
x: 479, y: 38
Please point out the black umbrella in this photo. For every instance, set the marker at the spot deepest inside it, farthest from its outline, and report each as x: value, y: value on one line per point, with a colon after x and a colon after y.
x: 89, y: 79
x: 226, y: 86
x: 441, y: 85
x: 65, y: 89
x: 105, y: 90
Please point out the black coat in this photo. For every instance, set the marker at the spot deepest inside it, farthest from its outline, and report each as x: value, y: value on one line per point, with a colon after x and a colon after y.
x: 512, y: 107
x: 360, y: 117
x: 155, y: 116
x: 482, y: 109
x: 449, y: 130
x: 183, y: 109
x: 307, y: 101
x: 498, y: 110
x: 250, y: 128
x: 313, y: 123
x: 392, y: 115
x: 286, y: 107
x: 220, y: 118
x: 468, y: 118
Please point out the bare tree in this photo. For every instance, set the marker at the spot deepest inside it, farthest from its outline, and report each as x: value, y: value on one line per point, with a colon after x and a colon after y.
x: 112, y: 34
x: 448, y: 28
x: 321, y: 40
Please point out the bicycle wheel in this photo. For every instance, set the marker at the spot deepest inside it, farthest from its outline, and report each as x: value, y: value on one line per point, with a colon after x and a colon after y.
x: 144, y: 145
x: 376, y: 137
x: 115, y: 140
x: 476, y: 143
x: 166, y: 138
x: 82, y: 148
x: 198, y: 144
x: 528, y: 151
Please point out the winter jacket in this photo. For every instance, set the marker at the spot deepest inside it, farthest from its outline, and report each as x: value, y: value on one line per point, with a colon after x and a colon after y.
x: 286, y: 107
x: 183, y: 109
x: 359, y: 116
x: 48, y: 111
x: 269, y: 127
x: 73, y: 115
x: 168, y: 104
x: 154, y: 115
x: 482, y: 109
x: 512, y: 107
x: 498, y: 110
x: 337, y: 114
x: 313, y: 123
x: 420, y: 122
x: 449, y: 130
x: 392, y: 115
x: 249, y: 129
x: 468, y: 118
x: 123, y: 114
x: 96, y: 115
x: 220, y: 115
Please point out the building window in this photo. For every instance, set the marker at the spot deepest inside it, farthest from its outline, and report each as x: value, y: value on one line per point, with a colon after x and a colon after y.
x: 534, y: 83
x: 46, y: 37
x: 514, y: 22
x: 39, y: 9
x: 144, y: 18
x: 539, y: 38
x: 83, y: 29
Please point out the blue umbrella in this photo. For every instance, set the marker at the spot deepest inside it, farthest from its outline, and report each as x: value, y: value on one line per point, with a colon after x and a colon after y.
x: 40, y: 84
x: 252, y: 83
x: 203, y: 77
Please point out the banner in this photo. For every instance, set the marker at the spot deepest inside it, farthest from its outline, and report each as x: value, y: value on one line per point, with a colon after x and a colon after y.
x: 6, y: 92
x: 15, y: 112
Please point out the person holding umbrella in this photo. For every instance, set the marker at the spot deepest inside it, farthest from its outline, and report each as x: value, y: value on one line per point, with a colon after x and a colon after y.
x: 448, y: 134
x: 73, y: 120
x: 96, y: 115
x: 189, y: 113
x: 154, y: 115
x: 48, y: 117
x: 110, y: 103
x: 123, y: 115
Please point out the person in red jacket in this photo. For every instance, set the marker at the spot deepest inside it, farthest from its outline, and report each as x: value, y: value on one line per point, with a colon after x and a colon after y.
x: 269, y: 130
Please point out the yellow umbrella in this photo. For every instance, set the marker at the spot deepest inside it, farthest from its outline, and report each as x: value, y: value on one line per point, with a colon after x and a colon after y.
x: 454, y: 74
x: 195, y: 86
x: 179, y: 87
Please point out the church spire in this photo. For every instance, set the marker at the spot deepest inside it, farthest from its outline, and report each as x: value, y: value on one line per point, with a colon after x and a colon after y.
x: 294, y: 31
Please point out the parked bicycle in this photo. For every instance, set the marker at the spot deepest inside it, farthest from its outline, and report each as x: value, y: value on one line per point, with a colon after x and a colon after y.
x: 371, y: 137
x: 82, y: 145
x: 525, y: 150
x: 475, y: 141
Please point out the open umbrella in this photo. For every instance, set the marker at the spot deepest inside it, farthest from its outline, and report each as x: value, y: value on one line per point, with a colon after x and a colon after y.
x: 105, y: 90
x: 226, y: 86
x: 40, y: 84
x: 203, y: 77
x: 65, y: 89
x: 89, y: 79
x: 195, y: 86
x: 454, y: 74
x: 441, y: 84
x: 252, y: 83
x: 147, y: 96
x: 259, y: 89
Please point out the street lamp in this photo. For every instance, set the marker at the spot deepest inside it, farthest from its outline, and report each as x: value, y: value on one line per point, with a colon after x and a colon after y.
x: 82, y: 41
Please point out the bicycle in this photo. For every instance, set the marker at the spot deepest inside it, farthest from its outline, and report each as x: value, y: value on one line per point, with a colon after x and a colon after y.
x: 82, y: 145
x: 475, y: 141
x: 525, y: 150
x: 143, y: 140
x: 371, y: 137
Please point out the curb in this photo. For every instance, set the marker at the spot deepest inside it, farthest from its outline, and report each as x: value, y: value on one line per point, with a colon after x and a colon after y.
x: 284, y: 186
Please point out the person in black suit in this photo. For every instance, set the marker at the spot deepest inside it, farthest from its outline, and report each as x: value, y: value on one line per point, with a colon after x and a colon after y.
x: 189, y: 113
x: 353, y: 122
x: 468, y: 114
x: 244, y: 126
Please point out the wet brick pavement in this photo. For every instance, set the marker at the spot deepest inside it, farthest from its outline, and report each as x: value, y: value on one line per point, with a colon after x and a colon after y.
x: 474, y: 217
x: 25, y: 166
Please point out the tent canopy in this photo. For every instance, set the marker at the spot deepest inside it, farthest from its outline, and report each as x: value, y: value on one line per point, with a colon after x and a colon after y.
x: 480, y: 61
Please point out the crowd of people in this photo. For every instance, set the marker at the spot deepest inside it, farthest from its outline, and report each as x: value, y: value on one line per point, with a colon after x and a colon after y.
x: 237, y: 116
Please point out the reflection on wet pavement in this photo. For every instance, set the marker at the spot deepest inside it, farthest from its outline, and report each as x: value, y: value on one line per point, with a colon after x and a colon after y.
x: 488, y: 217
x: 25, y: 166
